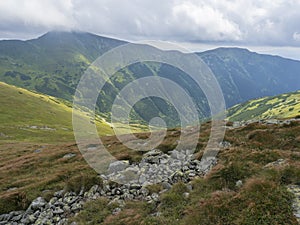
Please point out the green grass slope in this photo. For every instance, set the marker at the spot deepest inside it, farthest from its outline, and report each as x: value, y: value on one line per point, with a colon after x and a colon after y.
x: 29, y: 116
x: 279, y: 107
x: 35, y: 135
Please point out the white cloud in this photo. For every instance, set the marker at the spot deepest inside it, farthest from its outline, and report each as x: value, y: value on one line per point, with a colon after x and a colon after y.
x: 35, y: 13
x: 257, y: 22
x: 296, y: 36
x: 204, y: 22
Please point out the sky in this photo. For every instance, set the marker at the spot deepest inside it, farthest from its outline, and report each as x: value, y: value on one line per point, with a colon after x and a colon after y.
x: 267, y: 26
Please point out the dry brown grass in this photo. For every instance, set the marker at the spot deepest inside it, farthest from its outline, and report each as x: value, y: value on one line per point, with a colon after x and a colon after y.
x: 33, y: 172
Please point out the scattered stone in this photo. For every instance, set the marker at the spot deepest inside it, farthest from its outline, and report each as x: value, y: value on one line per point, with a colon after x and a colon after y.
x: 238, y: 124
x: 224, y: 144
x: 116, y: 211
x: 189, y: 187
x: 41, y: 128
x: 239, y: 183
x: 295, y: 189
x: 69, y: 155
x: 186, y: 195
x: 3, y: 135
x: 156, y: 214
x: 277, y: 163
x: 12, y: 189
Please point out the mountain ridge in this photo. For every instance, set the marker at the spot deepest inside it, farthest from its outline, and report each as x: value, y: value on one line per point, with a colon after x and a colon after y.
x: 54, y: 63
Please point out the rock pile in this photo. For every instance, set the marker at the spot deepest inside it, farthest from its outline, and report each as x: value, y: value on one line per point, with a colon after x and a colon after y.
x: 295, y: 189
x: 156, y: 167
x: 123, y: 181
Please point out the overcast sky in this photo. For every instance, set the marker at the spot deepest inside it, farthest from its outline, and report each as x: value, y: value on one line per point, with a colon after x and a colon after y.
x: 263, y: 25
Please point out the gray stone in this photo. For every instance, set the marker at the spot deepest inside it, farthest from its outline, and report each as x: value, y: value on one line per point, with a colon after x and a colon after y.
x: 295, y: 189
x: 144, y: 191
x: 76, y: 207
x: 59, y: 194
x: 116, y: 211
x: 177, y: 155
x: 37, y: 203
x: 58, y: 211
x: 156, y: 214
x: 191, y: 174
x: 52, y: 201
x: 189, y: 187
x: 153, y: 152
x: 31, y: 218
x: 142, y: 178
x: 155, y: 197
x: 12, y: 189
x: 118, y: 166
x: 239, y: 184
x: 69, y: 155
x: 166, y: 185
x: 276, y: 163
x: 224, y: 144
x: 186, y: 195
x: 17, y: 218
x: 5, y: 217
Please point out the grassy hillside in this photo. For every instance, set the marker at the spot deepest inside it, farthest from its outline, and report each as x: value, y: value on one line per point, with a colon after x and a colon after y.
x: 281, y: 106
x: 33, y: 117
x: 35, y: 135
x: 29, y: 116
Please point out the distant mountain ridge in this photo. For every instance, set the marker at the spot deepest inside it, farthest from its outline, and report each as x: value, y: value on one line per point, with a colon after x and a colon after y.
x: 244, y: 75
x: 53, y: 64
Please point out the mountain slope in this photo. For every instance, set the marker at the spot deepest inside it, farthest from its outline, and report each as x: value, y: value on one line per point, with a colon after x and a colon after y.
x: 29, y: 116
x: 281, y: 106
x: 53, y: 64
x: 245, y: 75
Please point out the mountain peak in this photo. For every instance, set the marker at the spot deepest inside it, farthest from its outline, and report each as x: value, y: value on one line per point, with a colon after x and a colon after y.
x: 228, y: 50
x: 60, y: 33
